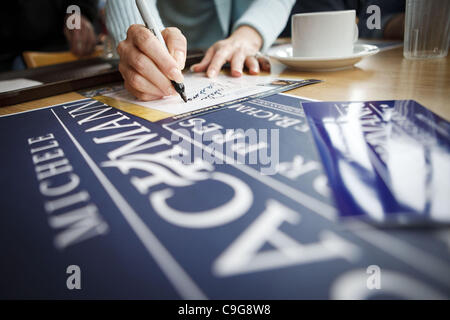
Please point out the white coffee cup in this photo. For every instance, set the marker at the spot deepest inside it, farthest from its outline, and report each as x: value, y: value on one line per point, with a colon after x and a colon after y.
x: 324, y: 34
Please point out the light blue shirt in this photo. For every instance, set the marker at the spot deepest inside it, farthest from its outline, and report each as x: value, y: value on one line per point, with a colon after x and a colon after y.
x: 204, y: 22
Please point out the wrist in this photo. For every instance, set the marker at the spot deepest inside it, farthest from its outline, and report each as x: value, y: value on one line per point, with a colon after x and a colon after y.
x: 250, y: 35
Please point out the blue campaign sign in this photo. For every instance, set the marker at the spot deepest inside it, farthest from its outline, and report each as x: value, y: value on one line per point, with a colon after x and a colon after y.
x: 388, y: 161
x: 231, y: 204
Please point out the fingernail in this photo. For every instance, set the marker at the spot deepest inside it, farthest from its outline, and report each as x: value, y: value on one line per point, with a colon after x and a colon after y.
x: 237, y: 73
x: 176, y: 75
x: 192, y: 68
x: 212, y: 73
x: 179, y: 57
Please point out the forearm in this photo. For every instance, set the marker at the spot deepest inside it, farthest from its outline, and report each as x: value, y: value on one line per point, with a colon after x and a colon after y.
x: 267, y: 17
x: 121, y: 14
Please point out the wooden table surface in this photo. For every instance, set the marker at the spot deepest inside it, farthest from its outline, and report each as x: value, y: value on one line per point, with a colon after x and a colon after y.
x: 384, y: 76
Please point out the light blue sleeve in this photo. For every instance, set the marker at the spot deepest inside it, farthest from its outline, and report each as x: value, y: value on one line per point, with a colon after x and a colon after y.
x: 121, y: 14
x: 268, y: 17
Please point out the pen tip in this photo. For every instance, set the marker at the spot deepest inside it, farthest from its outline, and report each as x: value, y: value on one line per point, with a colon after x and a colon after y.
x: 183, y: 96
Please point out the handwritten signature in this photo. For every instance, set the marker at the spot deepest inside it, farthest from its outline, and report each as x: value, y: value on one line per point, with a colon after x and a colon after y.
x: 212, y: 91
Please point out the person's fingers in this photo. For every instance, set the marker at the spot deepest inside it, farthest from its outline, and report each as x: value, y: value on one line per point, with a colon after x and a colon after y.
x: 140, y: 95
x: 92, y: 42
x: 81, y: 41
x: 85, y: 44
x: 237, y: 63
x: 202, y: 65
x: 147, y: 68
x: 122, y: 48
x: 264, y: 64
x: 86, y: 37
x: 252, y: 64
x: 147, y: 42
x: 219, y: 59
x: 76, y: 43
x: 177, y: 45
x: 138, y: 82
x: 84, y: 40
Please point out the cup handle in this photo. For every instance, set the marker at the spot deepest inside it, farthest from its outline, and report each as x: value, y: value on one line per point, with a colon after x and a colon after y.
x: 355, y: 33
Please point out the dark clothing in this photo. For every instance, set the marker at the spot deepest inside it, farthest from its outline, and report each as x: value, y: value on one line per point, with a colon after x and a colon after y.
x: 388, y: 8
x: 36, y: 25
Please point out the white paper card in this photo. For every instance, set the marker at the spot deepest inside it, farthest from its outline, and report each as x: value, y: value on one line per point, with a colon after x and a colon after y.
x: 16, y: 84
x: 203, y: 92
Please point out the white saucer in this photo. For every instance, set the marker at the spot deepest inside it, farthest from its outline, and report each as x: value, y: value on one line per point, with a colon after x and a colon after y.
x: 283, y: 54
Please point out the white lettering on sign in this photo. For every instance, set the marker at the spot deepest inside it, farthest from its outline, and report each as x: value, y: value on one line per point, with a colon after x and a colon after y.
x: 70, y: 210
x: 244, y: 255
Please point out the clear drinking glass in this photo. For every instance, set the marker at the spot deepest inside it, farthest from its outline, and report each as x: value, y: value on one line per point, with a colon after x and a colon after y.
x: 427, y: 26
x: 109, y: 51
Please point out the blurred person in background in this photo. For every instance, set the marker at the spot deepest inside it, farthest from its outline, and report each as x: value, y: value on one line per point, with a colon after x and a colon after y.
x: 39, y: 25
x: 232, y: 31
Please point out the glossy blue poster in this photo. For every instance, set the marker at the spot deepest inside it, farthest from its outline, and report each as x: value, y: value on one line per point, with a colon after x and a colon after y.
x: 231, y: 204
x: 388, y: 162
